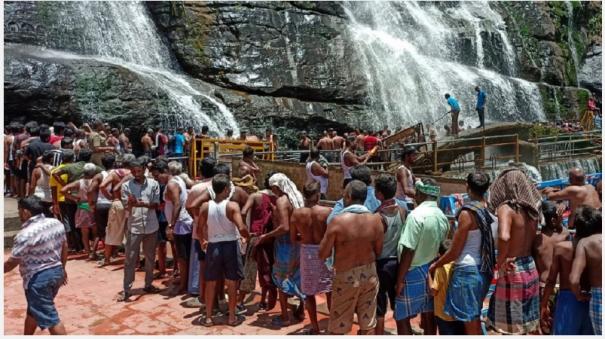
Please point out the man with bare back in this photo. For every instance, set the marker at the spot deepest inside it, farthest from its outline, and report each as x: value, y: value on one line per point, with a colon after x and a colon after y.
x: 355, y: 237
x: 578, y: 193
x: 569, y: 316
x: 309, y: 225
x: 515, y: 305
x: 587, y: 263
x: 111, y: 187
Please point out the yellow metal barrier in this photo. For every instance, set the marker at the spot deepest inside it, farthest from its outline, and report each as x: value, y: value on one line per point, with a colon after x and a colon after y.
x: 203, y: 147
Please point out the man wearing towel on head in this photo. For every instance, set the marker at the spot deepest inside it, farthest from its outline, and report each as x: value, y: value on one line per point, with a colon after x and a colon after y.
x: 515, y: 305
x: 286, y: 271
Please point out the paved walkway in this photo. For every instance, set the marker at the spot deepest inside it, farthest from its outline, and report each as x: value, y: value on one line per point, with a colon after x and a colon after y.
x: 87, y: 305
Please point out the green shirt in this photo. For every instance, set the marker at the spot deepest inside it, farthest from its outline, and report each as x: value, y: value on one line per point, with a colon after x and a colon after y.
x: 425, y: 229
x: 75, y: 171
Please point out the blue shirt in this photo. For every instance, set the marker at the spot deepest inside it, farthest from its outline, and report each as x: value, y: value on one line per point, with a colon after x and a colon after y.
x: 480, y: 99
x: 179, y: 143
x: 453, y: 104
x: 371, y: 203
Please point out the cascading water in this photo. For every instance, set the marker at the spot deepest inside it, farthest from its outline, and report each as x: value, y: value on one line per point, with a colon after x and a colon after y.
x: 122, y: 33
x: 411, y: 55
x: 570, y: 40
x: 560, y: 169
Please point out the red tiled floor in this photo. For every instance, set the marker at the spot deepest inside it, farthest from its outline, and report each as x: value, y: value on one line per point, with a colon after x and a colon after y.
x: 87, y: 305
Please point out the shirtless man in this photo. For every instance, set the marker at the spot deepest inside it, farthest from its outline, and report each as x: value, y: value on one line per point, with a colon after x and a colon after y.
x: 124, y: 140
x: 147, y: 143
x: 349, y: 159
x: 578, y: 193
x: 338, y: 141
x: 260, y: 205
x: 326, y: 144
x: 113, y: 140
x: 356, y: 239
x: 518, y: 214
x: 309, y: 225
x: 303, y: 145
x: 359, y: 139
x: 552, y: 233
x: 587, y: 262
x: 405, y: 179
x: 111, y: 187
x: 247, y: 165
x: 285, y: 271
x: 207, y: 171
x: 571, y: 316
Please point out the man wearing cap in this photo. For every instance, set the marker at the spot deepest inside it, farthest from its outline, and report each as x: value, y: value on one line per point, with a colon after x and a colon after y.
x: 425, y: 228
x: 405, y: 179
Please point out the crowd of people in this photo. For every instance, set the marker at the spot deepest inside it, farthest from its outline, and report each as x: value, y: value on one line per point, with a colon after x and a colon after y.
x: 385, y: 243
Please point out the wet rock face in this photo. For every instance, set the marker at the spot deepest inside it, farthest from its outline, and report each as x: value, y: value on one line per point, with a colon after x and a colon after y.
x: 590, y: 75
x: 281, y: 49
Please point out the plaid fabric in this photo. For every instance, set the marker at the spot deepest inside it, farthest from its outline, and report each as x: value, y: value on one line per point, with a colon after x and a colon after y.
x: 415, y: 296
x: 287, y: 257
x: 315, y: 276
x: 596, y: 304
x: 513, y: 187
x: 515, y: 305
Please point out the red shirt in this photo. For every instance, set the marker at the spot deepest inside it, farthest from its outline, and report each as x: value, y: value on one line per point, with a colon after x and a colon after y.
x: 54, y: 138
x: 369, y: 142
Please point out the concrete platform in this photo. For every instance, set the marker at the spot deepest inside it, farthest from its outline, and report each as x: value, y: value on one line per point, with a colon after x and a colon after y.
x: 87, y: 305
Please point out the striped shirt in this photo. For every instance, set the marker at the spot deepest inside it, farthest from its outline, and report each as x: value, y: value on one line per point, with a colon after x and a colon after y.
x: 38, y: 246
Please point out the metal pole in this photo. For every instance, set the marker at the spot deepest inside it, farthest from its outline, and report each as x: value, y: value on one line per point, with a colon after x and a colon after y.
x: 482, y: 152
x: 216, y: 150
x: 435, y: 157
x: 517, y: 148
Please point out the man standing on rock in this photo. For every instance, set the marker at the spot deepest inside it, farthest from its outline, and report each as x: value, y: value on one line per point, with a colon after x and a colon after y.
x: 578, y: 193
x: 40, y: 251
x: 355, y: 237
x: 481, y: 100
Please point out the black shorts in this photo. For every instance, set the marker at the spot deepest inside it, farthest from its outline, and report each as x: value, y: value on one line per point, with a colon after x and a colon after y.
x: 101, y: 218
x: 201, y: 255
x: 162, y: 237
x: 387, y: 279
x: 224, y: 260
x: 22, y: 171
x: 182, y: 245
x: 68, y: 214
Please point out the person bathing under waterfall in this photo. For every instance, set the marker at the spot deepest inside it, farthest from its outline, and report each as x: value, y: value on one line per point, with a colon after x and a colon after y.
x: 481, y: 99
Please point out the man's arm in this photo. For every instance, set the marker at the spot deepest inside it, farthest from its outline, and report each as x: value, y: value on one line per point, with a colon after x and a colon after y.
x: 236, y: 217
x: 504, y: 226
x: 327, y: 242
x: 549, y: 288
x: 409, y: 191
x: 465, y: 221
x: 10, y: 264
x: 379, y: 237
x: 93, y: 191
x: 284, y: 220
x: 248, y: 205
x: 71, y: 187
x: 318, y: 170
x: 34, y: 181
x: 57, y: 175
x: 577, y: 268
x: 405, y: 261
x: 201, y: 222
x: 567, y: 193
x: 105, y: 184
x: 172, y: 195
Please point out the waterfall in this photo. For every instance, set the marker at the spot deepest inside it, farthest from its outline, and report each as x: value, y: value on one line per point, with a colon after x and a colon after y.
x: 557, y: 105
x: 560, y: 169
x: 570, y: 40
x: 411, y: 56
x: 123, y: 34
